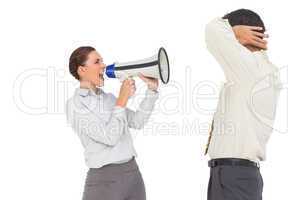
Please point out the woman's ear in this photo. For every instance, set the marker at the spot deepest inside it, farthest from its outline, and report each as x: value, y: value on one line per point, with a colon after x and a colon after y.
x: 81, y: 70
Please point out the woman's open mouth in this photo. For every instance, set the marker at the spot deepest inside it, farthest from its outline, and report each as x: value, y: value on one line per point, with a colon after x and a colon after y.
x: 101, y: 76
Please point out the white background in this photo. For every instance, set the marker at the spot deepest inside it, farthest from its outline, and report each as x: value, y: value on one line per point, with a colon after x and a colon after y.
x: 41, y: 157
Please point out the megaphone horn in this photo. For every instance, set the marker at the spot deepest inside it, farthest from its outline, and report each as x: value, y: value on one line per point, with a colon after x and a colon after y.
x: 156, y: 66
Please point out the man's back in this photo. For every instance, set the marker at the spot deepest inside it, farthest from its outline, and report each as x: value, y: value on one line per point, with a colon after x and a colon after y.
x: 246, y: 110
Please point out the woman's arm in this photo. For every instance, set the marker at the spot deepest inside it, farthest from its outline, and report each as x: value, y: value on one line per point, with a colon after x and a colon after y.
x: 95, y: 125
x: 138, y: 119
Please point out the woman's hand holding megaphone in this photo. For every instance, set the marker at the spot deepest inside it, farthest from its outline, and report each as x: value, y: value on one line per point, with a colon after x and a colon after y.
x: 151, y: 82
x: 127, y: 90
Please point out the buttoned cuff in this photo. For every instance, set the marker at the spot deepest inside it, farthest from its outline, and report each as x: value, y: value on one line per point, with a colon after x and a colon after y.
x: 119, y: 111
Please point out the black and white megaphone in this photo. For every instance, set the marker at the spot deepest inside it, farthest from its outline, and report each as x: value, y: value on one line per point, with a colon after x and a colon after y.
x: 156, y: 66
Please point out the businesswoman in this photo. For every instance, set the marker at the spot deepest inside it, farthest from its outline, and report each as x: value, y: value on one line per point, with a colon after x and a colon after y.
x: 102, y: 123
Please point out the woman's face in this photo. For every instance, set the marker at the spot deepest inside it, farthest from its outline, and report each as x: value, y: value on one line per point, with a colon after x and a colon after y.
x: 93, y: 69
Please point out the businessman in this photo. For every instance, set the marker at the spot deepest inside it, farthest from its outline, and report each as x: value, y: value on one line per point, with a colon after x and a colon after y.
x: 242, y: 123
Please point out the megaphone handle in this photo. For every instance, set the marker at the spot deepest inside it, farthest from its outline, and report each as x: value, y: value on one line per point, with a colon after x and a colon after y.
x: 123, y: 78
x: 130, y: 77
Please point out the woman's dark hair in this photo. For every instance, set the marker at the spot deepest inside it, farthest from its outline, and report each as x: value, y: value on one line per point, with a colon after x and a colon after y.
x: 77, y: 58
x: 245, y: 17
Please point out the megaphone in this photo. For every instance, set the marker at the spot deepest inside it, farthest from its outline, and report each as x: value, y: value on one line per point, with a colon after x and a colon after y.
x: 156, y: 66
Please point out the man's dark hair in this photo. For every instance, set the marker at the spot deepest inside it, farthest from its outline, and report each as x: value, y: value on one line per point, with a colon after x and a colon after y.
x: 245, y: 17
x: 77, y: 58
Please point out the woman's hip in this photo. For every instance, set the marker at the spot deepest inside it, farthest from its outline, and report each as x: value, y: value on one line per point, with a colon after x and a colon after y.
x: 113, y: 182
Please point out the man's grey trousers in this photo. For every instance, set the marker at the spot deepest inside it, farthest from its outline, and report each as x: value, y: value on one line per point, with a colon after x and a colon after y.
x: 235, y: 183
x: 115, y: 182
